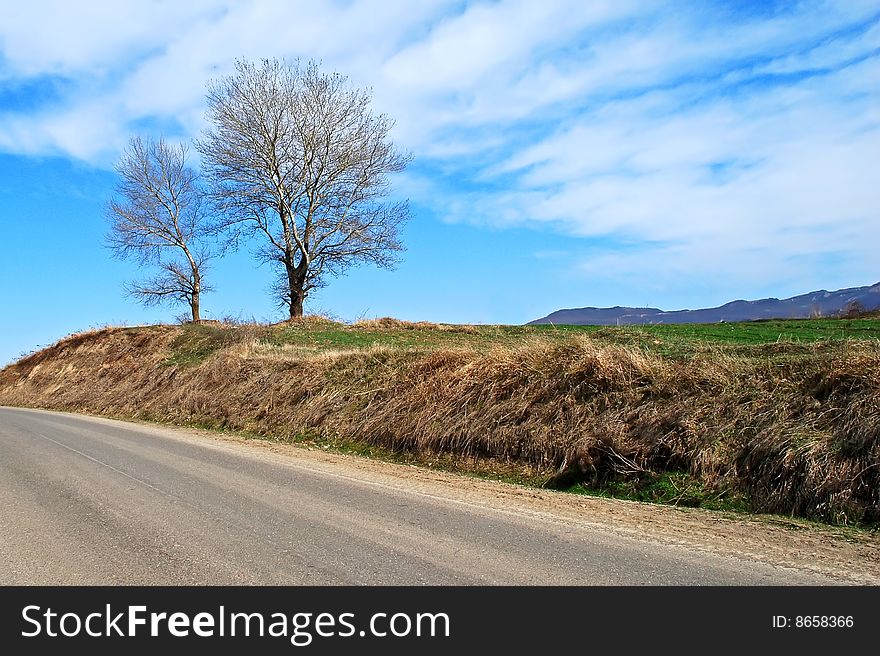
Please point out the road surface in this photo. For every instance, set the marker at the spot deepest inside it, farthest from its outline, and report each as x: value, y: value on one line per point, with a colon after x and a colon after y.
x: 95, y: 501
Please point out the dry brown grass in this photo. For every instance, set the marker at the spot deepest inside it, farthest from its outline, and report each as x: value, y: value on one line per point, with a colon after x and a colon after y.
x: 796, y: 432
x: 292, y: 352
x: 389, y: 323
x: 308, y: 320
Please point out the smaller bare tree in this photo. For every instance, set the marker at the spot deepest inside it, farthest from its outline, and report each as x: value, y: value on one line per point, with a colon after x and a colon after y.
x: 853, y: 310
x: 157, y: 218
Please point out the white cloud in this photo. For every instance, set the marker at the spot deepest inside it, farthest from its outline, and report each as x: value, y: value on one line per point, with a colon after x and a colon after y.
x: 696, y: 128
x: 57, y: 37
x: 464, y: 50
x: 152, y: 60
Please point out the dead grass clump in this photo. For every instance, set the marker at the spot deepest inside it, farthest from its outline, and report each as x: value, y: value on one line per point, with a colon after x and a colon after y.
x: 389, y: 323
x: 384, y: 323
x: 293, y: 352
x: 463, y: 328
x: 309, y: 321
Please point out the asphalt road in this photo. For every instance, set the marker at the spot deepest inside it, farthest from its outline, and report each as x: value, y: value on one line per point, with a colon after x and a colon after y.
x: 90, y: 501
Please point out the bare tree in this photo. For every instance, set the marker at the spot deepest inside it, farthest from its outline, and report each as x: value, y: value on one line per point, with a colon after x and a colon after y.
x: 853, y: 310
x: 296, y: 157
x: 157, y: 218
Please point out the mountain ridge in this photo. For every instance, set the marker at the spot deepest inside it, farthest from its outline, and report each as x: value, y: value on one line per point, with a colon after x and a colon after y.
x: 821, y: 303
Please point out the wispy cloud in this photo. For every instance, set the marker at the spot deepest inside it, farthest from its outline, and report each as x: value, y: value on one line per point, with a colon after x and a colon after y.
x: 728, y: 139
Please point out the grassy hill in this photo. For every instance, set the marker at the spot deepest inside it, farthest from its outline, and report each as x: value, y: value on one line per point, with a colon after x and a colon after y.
x: 775, y: 416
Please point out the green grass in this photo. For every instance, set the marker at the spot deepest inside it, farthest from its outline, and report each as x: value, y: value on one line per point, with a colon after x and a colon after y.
x: 671, y: 488
x: 664, y: 338
x: 348, y: 338
x: 764, y: 332
x: 197, y: 342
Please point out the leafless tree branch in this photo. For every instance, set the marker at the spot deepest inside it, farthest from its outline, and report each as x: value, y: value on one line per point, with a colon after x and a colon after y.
x: 296, y: 157
x: 157, y: 217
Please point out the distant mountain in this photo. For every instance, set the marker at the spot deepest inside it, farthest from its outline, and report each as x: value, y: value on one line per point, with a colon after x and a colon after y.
x: 820, y: 303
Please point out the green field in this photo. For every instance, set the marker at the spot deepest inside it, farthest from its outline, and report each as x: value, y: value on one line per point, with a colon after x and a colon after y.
x: 764, y: 332
x: 753, y: 332
x: 199, y: 341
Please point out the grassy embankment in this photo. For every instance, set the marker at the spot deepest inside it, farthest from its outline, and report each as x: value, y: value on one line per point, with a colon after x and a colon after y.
x: 775, y: 416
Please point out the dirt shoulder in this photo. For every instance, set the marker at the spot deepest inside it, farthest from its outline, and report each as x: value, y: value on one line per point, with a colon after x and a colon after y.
x: 849, y: 555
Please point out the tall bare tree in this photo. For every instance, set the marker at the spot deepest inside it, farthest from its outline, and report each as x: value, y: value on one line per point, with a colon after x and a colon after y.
x: 157, y: 217
x: 296, y: 157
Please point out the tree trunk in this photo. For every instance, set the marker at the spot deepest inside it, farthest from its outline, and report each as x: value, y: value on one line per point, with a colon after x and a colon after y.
x: 194, y: 299
x: 297, y: 296
x: 296, y: 306
x: 194, y: 305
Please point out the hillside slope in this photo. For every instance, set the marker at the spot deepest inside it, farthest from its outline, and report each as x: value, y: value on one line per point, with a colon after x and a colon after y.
x: 785, y: 427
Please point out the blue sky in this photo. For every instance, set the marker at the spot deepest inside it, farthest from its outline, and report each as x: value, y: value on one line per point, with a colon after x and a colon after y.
x: 671, y: 154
